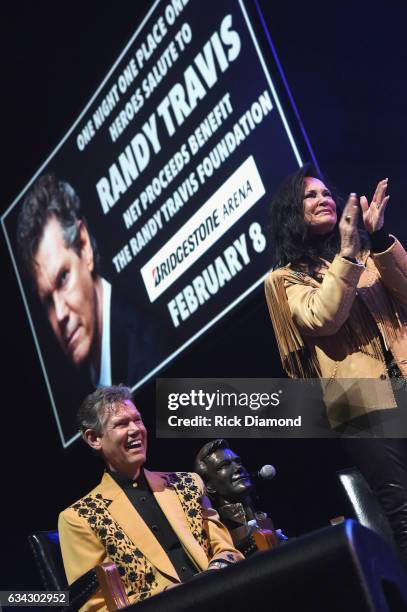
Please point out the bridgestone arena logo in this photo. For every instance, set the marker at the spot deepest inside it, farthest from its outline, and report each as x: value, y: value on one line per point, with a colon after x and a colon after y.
x: 199, y: 235
x: 186, y: 248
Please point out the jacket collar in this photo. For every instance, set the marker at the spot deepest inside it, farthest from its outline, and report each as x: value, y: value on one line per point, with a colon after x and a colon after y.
x: 170, y: 504
x: 136, y: 529
x: 133, y: 525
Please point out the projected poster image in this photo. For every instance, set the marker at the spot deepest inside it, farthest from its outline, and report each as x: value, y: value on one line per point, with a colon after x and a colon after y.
x: 148, y: 222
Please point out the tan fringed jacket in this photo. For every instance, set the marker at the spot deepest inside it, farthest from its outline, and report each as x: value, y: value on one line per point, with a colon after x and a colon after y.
x: 331, y: 329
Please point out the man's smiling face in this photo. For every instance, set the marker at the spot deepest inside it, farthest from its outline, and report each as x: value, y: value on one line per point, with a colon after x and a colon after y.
x: 123, y: 441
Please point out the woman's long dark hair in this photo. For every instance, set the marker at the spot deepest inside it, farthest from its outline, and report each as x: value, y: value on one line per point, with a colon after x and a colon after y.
x: 291, y: 241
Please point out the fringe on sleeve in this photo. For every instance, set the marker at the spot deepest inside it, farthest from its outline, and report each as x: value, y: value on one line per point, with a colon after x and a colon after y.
x: 297, y: 359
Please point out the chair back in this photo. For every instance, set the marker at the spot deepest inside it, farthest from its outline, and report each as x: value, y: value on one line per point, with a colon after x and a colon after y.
x: 364, y: 505
x: 48, y: 558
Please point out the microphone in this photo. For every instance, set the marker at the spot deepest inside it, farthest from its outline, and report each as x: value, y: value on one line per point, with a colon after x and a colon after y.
x: 267, y: 472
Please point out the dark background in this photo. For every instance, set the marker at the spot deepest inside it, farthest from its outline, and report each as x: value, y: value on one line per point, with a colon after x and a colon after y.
x: 345, y: 63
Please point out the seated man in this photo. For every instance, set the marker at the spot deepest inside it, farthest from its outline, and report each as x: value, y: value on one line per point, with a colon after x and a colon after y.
x: 229, y: 487
x: 155, y: 526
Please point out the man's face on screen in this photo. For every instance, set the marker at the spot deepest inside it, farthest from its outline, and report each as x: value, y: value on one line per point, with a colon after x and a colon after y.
x: 66, y: 288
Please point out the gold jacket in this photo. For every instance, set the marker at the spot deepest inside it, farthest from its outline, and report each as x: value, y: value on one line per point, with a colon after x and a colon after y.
x: 335, y: 329
x: 104, y: 526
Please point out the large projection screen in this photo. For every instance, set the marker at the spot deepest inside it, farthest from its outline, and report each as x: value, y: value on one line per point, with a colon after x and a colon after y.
x: 173, y: 160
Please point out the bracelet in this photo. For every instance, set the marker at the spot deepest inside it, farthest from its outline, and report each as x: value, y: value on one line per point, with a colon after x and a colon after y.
x: 217, y: 564
x: 352, y: 260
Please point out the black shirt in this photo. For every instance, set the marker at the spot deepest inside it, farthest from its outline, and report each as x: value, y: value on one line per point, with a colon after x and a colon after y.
x: 144, y: 502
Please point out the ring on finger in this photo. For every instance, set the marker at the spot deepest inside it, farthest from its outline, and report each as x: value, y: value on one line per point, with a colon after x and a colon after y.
x: 348, y: 218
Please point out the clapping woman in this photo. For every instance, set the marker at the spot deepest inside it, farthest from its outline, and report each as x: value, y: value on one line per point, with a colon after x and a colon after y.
x: 337, y: 298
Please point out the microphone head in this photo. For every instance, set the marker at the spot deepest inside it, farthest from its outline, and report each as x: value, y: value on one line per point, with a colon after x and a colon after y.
x: 267, y: 472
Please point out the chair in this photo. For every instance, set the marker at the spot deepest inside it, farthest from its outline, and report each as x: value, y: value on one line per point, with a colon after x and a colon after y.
x: 48, y: 558
x: 363, y: 504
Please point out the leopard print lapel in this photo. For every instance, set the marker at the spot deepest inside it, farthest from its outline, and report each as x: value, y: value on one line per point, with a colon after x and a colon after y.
x: 137, y: 573
x: 189, y: 496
